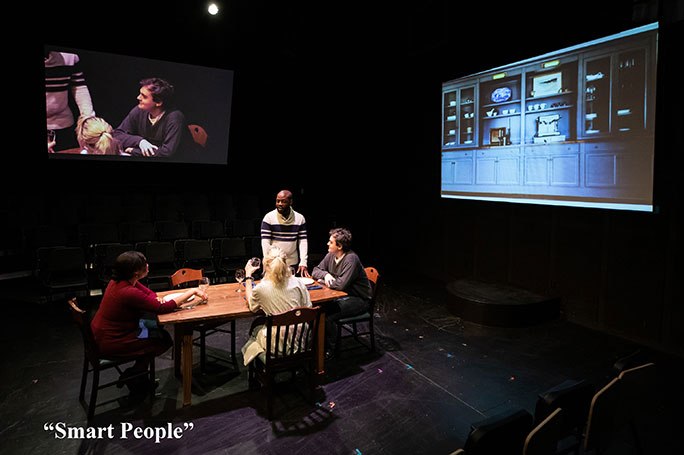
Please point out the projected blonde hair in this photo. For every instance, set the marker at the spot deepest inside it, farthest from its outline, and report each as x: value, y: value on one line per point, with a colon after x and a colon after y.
x: 95, y: 136
x: 276, y: 269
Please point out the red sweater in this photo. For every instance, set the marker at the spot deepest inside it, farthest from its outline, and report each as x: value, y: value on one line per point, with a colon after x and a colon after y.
x: 116, y: 323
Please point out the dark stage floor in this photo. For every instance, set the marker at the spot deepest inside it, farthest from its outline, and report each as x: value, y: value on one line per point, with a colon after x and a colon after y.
x: 432, y: 376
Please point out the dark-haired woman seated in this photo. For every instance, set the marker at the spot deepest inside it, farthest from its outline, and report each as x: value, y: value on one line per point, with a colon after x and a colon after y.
x: 120, y: 328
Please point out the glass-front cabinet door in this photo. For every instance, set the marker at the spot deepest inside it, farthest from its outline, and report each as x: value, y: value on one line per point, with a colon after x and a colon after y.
x: 596, y: 107
x: 459, y: 117
x: 630, y: 85
x: 500, y: 108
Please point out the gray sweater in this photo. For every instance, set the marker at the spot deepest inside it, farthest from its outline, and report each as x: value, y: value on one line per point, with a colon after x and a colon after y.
x: 350, y: 276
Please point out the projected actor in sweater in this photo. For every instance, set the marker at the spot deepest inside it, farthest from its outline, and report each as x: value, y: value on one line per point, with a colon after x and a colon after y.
x: 286, y: 229
x: 341, y: 269
x: 154, y: 128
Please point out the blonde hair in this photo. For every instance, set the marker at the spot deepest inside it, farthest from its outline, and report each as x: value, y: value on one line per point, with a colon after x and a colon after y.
x: 95, y: 135
x: 276, y: 269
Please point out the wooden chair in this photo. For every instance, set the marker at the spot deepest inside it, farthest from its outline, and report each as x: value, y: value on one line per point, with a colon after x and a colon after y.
x: 96, y: 363
x: 543, y: 439
x: 367, y: 317
x: 199, y: 135
x: 601, y: 423
x: 293, y: 338
x: 184, y: 278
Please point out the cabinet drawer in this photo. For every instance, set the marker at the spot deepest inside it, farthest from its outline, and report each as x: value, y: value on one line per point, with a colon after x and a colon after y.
x: 556, y: 149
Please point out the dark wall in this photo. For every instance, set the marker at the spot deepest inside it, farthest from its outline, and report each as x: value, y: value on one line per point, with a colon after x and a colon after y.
x: 354, y: 132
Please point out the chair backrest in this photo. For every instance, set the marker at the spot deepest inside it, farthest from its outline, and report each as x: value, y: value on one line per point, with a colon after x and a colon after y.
x: 105, y: 256
x: 374, y: 278
x: 543, y: 439
x: 602, y: 413
x: 157, y: 253
x: 168, y: 231
x: 135, y: 232
x: 83, y: 324
x: 229, y: 247
x: 194, y: 250
x: 637, y: 390
x: 66, y: 259
x: 183, y: 276
x: 502, y: 433
x: 292, y: 336
x: 199, y: 135
x: 574, y: 397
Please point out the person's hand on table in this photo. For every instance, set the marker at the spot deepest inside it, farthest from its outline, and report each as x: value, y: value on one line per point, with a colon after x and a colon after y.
x: 329, y: 279
x: 303, y: 271
x: 200, y: 297
x: 201, y: 294
x: 147, y: 149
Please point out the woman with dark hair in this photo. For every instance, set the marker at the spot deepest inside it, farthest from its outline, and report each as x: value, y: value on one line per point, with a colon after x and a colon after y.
x: 119, y: 326
x: 154, y: 128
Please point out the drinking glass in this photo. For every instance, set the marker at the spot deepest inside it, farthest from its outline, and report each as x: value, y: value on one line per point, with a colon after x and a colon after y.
x: 51, y: 135
x: 255, y: 262
x: 240, y: 276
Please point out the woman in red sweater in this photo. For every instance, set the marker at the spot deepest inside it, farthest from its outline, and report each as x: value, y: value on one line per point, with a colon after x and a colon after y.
x: 120, y: 327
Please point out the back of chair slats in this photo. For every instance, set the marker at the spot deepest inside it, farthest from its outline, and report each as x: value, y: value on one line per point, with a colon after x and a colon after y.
x: 290, y: 333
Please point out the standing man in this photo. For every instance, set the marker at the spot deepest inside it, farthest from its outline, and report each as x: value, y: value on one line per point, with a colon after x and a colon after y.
x: 286, y: 229
x: 64, y: 77
x: 341, y: 269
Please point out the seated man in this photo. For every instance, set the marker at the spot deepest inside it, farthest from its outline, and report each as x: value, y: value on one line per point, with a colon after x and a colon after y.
x: 154, y: 128
x: 341, y: 269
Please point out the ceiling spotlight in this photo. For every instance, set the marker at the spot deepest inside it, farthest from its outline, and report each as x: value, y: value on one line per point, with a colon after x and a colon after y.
x: 213, y: 9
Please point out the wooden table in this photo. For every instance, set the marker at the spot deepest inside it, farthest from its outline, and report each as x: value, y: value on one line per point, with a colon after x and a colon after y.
x: 224, y: 304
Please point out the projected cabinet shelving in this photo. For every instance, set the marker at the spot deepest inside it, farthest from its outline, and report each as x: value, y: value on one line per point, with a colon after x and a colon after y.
x: 556, y: 125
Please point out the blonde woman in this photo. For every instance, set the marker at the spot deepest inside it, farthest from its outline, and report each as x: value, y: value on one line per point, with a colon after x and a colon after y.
x: 95, y: 137
x: 279, y: 291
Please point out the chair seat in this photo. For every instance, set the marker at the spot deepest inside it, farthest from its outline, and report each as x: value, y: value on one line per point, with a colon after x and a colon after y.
x: 358, y: 318
x: 365, y: 317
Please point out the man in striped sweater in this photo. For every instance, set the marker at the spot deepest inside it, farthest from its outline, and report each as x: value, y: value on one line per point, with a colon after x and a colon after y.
x: 285, y: 228
x: 63, y: 76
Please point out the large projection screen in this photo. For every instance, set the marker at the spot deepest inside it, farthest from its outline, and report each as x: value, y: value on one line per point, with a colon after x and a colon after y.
x: 573, y: 127
x: 104, y: 91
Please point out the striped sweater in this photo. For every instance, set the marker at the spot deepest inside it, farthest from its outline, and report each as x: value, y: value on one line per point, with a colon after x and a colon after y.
x: 288, y: 234
x: 62, y: 75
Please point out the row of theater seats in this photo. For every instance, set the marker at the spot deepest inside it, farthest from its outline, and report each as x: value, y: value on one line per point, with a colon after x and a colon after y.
x: 575, y: 417
x: 86, y: 264
x: 86, y: 234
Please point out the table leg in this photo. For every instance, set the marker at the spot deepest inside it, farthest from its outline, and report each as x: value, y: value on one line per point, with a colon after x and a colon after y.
x: 177, y: 348
x: 186, y: 366
x: 321, y: 343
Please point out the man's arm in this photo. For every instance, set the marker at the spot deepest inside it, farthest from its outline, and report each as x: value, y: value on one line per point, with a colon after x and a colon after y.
x: 266, y: 236
x: 127, y: 132
x: 348, y: 273
x: 321, y: 270
x: 303, y: 249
